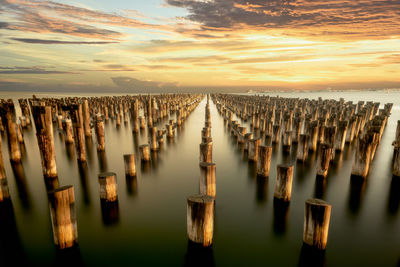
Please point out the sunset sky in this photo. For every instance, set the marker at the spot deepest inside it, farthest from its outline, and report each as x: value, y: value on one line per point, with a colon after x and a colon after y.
x: 103, y: 45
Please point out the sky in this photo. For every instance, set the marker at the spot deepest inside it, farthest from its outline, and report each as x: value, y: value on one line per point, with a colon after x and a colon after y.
x: 191, y: 45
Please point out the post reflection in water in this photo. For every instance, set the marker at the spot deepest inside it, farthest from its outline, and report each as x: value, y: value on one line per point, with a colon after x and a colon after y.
x: 154, y: 159
x: 109, y: 212
x: 356, y: 193
x: 145, y: 166
x: 70, y: 151
x: 22, y: 188
x: 394, y: 196
x: 51, y: 183
x: 83, y: 174
x: 252, y: 170
x: 311, y: 257
x: 11, y: 250
x: 69, y: 257
x: 101, y: 155
x: 89, y: 148
x: 197, y: 255
x: 320, y: 186
x: 135, y: 141
x: 262, y: 189
x: 131, y: 185
x: 281, y: 214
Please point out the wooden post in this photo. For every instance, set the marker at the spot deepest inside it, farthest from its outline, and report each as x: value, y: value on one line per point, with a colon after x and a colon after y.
x: 170, y: 130
x: 80, y: 143
x: 153, y: 138
x: 206, y: 152
x: 144, y: 151
x: 135, y: 116
x: 351, y: 129
x: 142, y: 122
x: 324, y: 158
x: 276, y: 129
x: 207, y: 179
x: 362, y: 158
x: 2, y: 170
x: 302, y: 148
x: 396, y: 161
x: 316, y: 223
x: 284, y: 179
x: 253, y: 148
x: 130, y: 165
x: 69, y: 134
x: 59, y: 122
x: 200, y: 219
x: 264, y: 160
x: 4, y: 192
x: 99, y: 130
x: 313, y: 133
x: 287, y: 141
x: 108, y: 187
x: 160, y: 138
x: 8, y: 118
x: 44, y: 132
x: 247, y: 138
x: 86, y: 118
x: 63, y: 218
x: 341, y: 135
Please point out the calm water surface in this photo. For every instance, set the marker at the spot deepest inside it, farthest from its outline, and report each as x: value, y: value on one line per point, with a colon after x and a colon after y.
x: 149, y: 226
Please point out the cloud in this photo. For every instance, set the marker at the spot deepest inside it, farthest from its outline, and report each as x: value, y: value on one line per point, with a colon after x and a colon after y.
x: 361, y: 19
x: 53, y: 17
x: 41, y: 41
x: 3, y: 25
x: 135, y: 84
x: 31, y: 70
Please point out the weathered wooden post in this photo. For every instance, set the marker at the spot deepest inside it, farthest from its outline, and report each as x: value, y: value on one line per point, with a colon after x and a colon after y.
x: 130, y: 165
x: 4, y: 192
x: 2, y: 170
x: 302, y: 148
x: 264, y: 160
x: 316, y: 223
x: 200, y: 219
x: 142, y: 122
x: 86, y: 118
x: 135, y: 116
x: 396, y: 161
x: 206, y: 152
x: 108, y: 187
x: 144, y: 151
x: 170, y: 130
x: 351, y: 129
x: 76, y: 117
x: 287, y: 141
x: 313, y: 133
x: 324, y: 158
x: 247, y: 138
x: 69, y: 134
x: 59, y: 122
x: 207, y: 179
x: 341, y: 135
x: 153, y: 138
x: 63, y: 218
x: 8, y: 118
x: 44, y: 132
x: 297, y: 123
x: 276, y: 130
x: 284, y: 179
x: 99, y: 130
x: 362, y: 158
x: 253, y: 149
